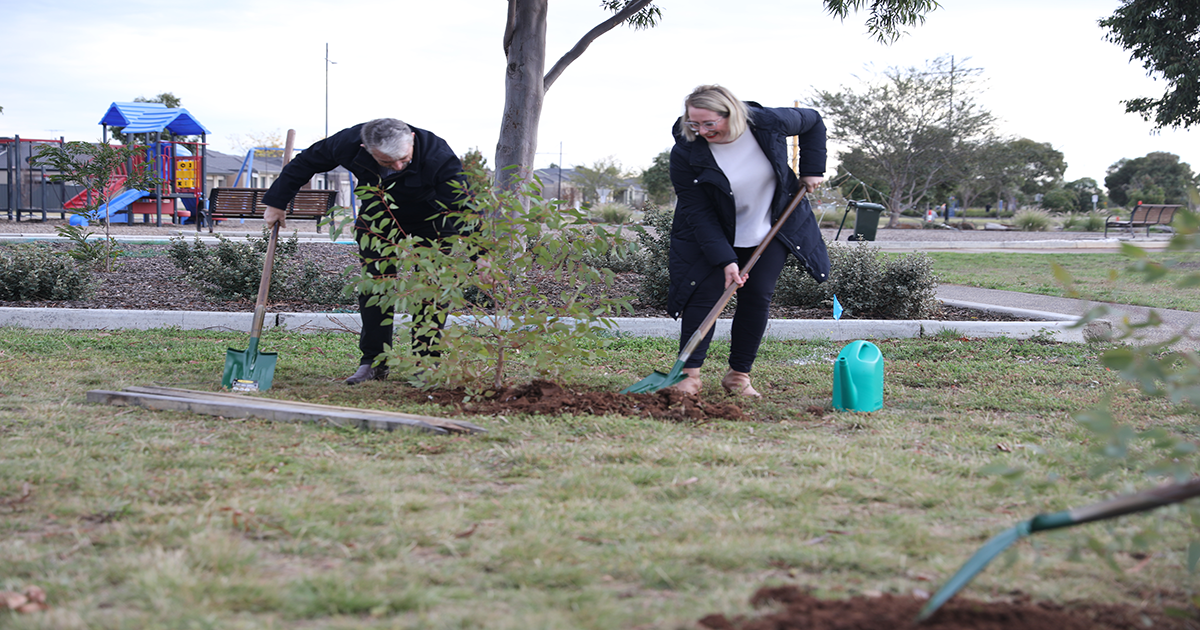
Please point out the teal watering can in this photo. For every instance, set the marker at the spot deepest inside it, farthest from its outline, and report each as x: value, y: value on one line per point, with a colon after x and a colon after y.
x: 858, y: 378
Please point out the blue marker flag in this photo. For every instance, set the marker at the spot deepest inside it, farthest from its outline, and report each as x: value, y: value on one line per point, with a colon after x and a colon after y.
x: 837, y: 308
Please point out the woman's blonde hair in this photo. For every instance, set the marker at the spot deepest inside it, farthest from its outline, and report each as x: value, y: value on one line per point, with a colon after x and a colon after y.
x: 717, y: 99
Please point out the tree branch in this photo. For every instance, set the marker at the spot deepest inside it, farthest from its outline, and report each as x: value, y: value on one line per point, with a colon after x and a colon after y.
x: 582, y: 45
x: 509, y: 26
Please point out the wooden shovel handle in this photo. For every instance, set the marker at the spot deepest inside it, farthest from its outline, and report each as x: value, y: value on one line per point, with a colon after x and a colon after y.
x: 264, y: 284
x: 1120, y: 506
x: 720, y: 305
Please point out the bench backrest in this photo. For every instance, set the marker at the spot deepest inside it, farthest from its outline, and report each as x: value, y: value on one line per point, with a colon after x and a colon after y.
x: 1153, y: 214
x: 246, y: 203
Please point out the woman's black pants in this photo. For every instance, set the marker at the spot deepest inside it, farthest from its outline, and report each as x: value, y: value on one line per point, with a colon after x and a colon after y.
x: 753, y: 307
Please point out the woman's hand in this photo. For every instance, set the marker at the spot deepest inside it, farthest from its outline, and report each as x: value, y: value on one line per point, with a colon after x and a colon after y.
x: 732, y: 275
x: 809, y: 183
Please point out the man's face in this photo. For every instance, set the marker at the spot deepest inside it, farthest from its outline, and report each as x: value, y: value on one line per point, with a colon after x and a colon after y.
x: 393, y: 162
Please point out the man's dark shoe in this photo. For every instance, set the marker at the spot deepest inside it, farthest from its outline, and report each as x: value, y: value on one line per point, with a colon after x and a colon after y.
x: 367, y: 373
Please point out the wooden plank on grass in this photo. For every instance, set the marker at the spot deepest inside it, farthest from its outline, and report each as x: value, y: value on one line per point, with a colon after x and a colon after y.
x: 252, y: 407
x: 445, y: 423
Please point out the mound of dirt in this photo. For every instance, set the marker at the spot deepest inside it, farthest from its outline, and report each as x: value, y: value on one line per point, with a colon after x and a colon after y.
x: 546, y: 398
x: 797, y: 609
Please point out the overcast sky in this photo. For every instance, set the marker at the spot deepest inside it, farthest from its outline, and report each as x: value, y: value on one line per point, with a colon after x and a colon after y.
x: 258, y: 66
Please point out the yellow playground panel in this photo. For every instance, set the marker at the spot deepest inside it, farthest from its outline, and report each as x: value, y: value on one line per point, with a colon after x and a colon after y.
x: 186, y: 179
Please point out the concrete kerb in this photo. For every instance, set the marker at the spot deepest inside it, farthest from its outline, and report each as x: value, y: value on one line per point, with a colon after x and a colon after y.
x: 1054, y: 326
x: 205, y: 237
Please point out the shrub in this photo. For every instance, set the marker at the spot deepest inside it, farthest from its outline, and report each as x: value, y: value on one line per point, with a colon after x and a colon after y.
x: 898, y: 287
x: 626, y: 258
x: 233, y: 270
x: 30, y: 272
x: 855, y: 272
x: 909, y: 288
x: 615, y: 213
x: 656, y: 248
x: 1032, y: 220
x: 796, y: 288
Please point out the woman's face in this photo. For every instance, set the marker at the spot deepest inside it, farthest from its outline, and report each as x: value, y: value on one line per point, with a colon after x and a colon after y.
x: 711, y: 125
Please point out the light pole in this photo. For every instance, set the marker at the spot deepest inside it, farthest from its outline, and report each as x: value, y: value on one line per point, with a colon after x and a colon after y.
x: 327, y: 62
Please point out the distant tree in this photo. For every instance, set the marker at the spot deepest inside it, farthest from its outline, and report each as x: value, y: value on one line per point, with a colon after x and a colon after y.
x: 1165, y: 36
x: 1156, y: 178
x: 1060, y: 199
x: 476, y: 168
x: 260, y: 141
x: 1037, y: 166
x: 911, y: 129
x: 604, y: 174
x: 856, y: 180
x: 1084, y: 189
x: 657, y: 180
x: 166, y: 98
x: 1012, y: 170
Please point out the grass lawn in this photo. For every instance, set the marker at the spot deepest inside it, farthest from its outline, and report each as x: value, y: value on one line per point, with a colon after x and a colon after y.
x: 131, y: 518
x: 1099, y: 277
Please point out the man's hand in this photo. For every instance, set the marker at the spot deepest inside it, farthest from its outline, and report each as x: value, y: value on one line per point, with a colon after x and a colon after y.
x: 275, y: 215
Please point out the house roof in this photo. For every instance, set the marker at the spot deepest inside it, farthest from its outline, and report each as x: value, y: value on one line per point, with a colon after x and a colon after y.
x: 152, y: 117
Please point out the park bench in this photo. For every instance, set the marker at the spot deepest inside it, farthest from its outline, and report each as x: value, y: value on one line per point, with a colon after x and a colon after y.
x: 246, y: 203
x: 1144, y: 215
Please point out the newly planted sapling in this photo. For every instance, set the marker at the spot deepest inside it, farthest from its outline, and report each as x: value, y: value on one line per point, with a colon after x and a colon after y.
x: 96, y: 167
x: 484, y: 277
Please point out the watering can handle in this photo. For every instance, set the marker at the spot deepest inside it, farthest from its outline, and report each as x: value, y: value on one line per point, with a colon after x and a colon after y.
x: 720, y: 305
x: 264, y: 284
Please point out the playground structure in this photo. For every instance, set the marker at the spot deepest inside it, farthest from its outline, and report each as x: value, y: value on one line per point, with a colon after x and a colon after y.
x: 180, y: 164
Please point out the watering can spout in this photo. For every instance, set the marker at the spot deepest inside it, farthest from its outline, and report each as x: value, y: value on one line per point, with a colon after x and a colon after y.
x: 849, y: 393
x: 858, y: 378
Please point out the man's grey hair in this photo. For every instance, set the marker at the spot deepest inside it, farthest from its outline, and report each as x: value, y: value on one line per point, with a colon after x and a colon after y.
x: 388, y: 136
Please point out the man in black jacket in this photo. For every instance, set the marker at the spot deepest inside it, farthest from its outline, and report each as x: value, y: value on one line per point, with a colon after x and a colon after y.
x: 418, y: 169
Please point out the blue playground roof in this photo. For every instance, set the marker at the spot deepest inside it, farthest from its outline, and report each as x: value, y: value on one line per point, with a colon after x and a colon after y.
x: 152, y: 117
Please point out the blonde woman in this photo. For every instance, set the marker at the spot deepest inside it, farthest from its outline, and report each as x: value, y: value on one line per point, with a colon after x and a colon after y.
x: 730, y: 171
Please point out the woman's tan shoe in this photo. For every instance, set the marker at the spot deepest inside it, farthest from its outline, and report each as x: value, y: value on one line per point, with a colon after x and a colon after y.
x: 738, y: 384
x: 691, y: 384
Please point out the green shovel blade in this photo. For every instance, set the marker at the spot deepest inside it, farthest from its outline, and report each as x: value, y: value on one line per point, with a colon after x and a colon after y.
x: 986, y: 553
x: 249, y: 370
x: 657, y: 381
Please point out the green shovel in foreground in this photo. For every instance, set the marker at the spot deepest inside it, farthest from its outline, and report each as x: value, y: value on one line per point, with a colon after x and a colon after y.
x: 1139, y: 502
x: 250, y: 370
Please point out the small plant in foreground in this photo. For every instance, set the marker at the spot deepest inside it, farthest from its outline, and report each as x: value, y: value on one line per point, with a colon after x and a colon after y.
x: 97, y: 254
x: 29, y: 272
x: 1117, y: 450
x: 481, y: 274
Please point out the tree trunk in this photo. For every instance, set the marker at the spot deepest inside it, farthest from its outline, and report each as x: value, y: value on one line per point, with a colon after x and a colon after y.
x: 525, y: 50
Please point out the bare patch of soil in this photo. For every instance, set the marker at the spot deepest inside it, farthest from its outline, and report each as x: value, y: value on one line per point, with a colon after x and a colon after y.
x: 546, y: 398
x: 795, y: 609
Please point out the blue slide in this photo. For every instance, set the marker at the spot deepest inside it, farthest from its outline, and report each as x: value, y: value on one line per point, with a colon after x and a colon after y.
x: 115, y: 205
